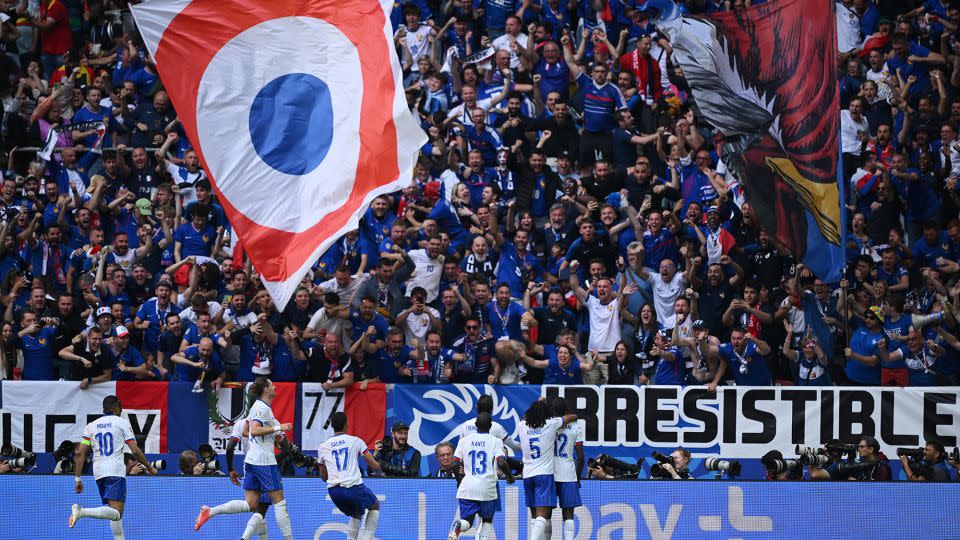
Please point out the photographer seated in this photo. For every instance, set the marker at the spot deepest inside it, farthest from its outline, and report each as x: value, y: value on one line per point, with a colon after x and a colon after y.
x: 192, y: 465
x: 672, y: 467
x: 933, y: 466
x: 869, y: 451
x: 395, y: 457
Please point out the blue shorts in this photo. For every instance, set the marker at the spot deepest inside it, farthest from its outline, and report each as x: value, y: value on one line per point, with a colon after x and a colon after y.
x: 112, y: 488
x: 352, y: 501
x: 539, y: 491
x: 262, y: 478
x: 568, y: 494
x: 485, y: 509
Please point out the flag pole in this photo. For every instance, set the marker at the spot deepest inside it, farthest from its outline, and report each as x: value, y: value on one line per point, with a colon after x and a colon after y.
x: 841, y: 186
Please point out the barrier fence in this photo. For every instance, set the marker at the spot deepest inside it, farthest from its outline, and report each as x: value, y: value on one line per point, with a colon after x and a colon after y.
x: 623, y: 421
x: 164, y: 508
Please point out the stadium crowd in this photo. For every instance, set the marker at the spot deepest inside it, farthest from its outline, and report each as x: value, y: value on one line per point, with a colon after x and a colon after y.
x: 569, y: 220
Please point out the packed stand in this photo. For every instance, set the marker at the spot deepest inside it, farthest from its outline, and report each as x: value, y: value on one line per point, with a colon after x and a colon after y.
x: 569, y: 220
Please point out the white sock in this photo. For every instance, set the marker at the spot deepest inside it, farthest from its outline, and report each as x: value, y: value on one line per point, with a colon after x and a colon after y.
x: 370, y: 525
x: 283, y: 519
x: 548, y: 529
x: 353, y: 528
x: 116, y: 527
x: 485, y: 530
x: 230, y: 507
x: 262, y: 531
x: 569, y: 529
x: 100, y: 512
x: 253, y: 525
x: 539, y: 526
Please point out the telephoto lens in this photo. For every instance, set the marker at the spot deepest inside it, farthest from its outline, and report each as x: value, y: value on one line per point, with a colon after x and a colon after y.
x: 10, y: 450
x: 662, y: 458
x: 815, y: 460
x: 160, y: 464
x: 913, y: 453
x: 211, y: 465
x: 807, y: 450
x: 731, y: 467
x: 25, y: 461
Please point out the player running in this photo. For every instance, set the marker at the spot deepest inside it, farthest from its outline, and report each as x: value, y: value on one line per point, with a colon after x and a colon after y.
x: 338, y: 463
x: 567, y: 465
x: 106, y: 437
x: 479, y: 455
x: 538, y: 433
x: 260, y: 471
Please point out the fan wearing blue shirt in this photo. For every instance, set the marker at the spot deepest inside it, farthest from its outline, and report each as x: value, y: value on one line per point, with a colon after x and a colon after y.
x: 196, y: 360
x: 196, y: 238
x: 745, y: 356
x: 35, y: 341
x: 601, y: 100
x: 910, y: 59
x: 91, y: 113
x: 564, y: 365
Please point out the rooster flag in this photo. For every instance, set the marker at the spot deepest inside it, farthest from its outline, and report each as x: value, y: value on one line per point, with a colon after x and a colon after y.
x: 297, y: 111
x: 765, y: 77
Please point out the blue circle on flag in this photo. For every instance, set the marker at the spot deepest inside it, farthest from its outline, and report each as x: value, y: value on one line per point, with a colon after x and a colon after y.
x: 291, y: 123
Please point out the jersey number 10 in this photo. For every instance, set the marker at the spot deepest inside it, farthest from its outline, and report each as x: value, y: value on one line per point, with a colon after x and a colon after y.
x: 105, y: 443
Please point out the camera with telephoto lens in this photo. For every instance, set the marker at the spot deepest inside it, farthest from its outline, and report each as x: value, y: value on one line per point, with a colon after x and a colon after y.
x: 779, y: 466
x: 386, y: 445
x: 854, y: 468
x: 663, y: 458
x: 159, y: 464
x: 208, y: 457
x: 813, y: 457
x: 658, y: 471
x: 618, y: 468
x: 18, y: 458
x: 302, y: 460
x: 955, y: 455
x: 915, y: 454
x: 63, y: 457
x: 730, y: 467
x: 841, y: 448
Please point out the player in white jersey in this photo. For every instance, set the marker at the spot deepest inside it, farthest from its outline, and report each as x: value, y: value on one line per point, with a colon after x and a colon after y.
x: 479, y: 455
x: 106, y: 437
x: 485, y: 405
x: 338, y: 460
x: 260, y: 471
x: 567, y: 464
x: 538, y: 433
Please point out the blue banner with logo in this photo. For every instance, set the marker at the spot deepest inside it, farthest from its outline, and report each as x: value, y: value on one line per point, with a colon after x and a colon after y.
x: 164, y: 508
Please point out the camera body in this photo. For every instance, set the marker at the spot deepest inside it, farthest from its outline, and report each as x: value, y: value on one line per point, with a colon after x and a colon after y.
x: 63, y: 456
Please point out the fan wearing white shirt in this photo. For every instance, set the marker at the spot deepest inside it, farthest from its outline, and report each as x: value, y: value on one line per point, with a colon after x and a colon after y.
x: 106, y: 437
x: 338, y: 462
x: 479, y: 455
x: 538, y: 435
x: 260, y: 471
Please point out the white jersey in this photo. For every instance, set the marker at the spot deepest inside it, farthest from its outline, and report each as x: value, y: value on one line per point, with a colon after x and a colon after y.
x: 259, y: 450
x: 565, y: 464
x: 426, y: 274
x: 478, y: 452
x: 341, y: 455
x: 537, y: 446
x: 108, y: 437
x: 470, y: 426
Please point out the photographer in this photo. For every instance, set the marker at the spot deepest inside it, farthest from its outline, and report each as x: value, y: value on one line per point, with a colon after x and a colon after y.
x: 394, y: 456
x: 605, y: 467
x: 869, y: 451
x: 672, y: 467
x: 933, y: 466
x: 779, y: 468
x: 191, y: 464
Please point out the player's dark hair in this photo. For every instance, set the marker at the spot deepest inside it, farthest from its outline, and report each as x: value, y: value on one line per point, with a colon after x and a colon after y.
x: 484, y: 421
x: 338, y: 421
x: 258, y: 386
x: 485, y: 404
x: 536, y: 416
x: 111, y: 403
x: 559, y: 406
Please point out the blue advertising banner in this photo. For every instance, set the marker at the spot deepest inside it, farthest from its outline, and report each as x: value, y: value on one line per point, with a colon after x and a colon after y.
x: 165, y: 508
